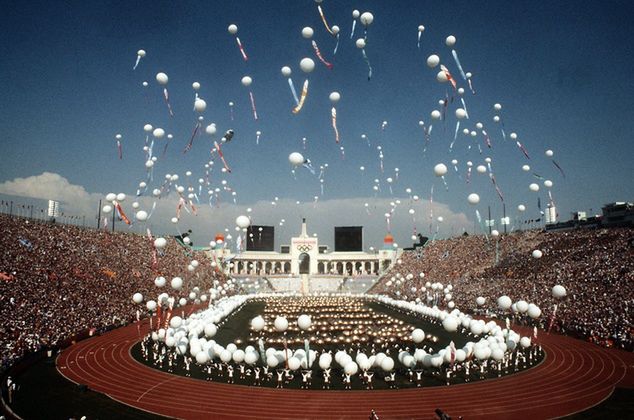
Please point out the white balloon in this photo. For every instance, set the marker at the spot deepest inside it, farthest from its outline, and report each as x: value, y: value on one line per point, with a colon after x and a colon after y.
x: 160, y: 243
x: 307, y: 65
x: 162, y: 78
x: 461, y: 113
x: 537, y: 254
x: 366, y: 18
x: 160, y: 281
x: 521, y: 207
x: 158, y: 133
x: 433, y: 61
x: 307, y: 32
x: 533, y: 187
x: 559, y: 291
x: 233, y: 29
x: 440, y: 169
x: 548, y: 183
x: 281, y: 324
x: 355, y: 14
x: 435, y: 114
x: 450, y: 324
x: 504, y: 302
x: 177, y: 283
x: 360, y: 43
x: 258, y: 323
x: 549, y: 153
x: 195, y: 85
x: 304, y: 322
x: 141, y: 215
x: 137, y: 298
x: 243, y: 221
x: 450, y: 41
x: 286, y: 71
x: 418, y: 335
x: 473, y: 199
x: 200, y: 105
x: 441, y: 76
x: 296, y: 159
x: 335, y: 97
x: 246, y: 81
x: 150, y: 305
x: 480, y: 300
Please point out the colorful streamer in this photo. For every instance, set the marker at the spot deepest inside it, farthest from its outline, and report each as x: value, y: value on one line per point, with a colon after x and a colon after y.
x: 334, y: 124
x: 191, y: 140
x: 455, y: 57
x: 323, y: 19
x: 522, y: 149
x: 255, y: 112
x: 320, y: 57
x: 367, y: 61
x: 166, y: 96
x: 448, y: 75
x: 293, y: 91
x: 244, y: 54
x: 302, y: 98
x: 222, y: 158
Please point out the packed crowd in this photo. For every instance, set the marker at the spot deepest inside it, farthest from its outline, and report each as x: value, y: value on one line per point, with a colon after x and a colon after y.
x: 596, y: 266
x: 57, y: 280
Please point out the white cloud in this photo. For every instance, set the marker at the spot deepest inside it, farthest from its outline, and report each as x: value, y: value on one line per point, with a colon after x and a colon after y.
x: 322, y: 216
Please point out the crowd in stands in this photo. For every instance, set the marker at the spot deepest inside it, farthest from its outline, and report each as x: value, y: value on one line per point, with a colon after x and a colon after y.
x: 596, y: 266
x: 57, y: 280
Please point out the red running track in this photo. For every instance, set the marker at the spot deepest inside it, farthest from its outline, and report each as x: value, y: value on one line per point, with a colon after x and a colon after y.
x: 574, y: 376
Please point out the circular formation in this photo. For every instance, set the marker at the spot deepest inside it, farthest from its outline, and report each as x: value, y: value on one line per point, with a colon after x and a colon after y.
x: 573, y: 377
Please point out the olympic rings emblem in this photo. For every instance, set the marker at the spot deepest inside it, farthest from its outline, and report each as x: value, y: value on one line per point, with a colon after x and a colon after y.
x: 304, y: 248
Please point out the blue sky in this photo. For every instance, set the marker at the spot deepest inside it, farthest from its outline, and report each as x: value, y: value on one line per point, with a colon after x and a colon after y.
x: 561, y: 70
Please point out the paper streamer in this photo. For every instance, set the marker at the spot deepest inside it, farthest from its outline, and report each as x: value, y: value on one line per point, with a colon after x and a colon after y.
x: 336, y: 46
x: 559, y: 167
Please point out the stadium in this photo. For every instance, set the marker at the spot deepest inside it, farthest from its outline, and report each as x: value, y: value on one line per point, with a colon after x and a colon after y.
x: 315, y: 209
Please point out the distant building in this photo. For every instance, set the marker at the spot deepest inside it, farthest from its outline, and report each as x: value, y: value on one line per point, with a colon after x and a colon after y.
x: 551, y: 214
x: 620, y: 213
